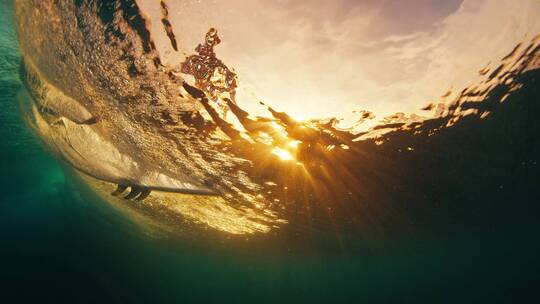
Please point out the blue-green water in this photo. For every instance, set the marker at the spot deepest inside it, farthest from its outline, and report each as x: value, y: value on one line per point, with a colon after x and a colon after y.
x: 61, y: 245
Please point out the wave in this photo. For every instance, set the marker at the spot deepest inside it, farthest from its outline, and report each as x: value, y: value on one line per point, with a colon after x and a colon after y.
x: 456, y: 170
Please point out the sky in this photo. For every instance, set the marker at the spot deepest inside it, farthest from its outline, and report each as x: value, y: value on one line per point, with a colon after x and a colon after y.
x: 316, y: 59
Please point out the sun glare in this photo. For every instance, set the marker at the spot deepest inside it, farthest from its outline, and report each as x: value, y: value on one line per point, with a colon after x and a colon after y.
x: 283, y: 154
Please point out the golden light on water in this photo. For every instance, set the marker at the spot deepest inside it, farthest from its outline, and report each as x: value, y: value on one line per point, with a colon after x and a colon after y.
x: 282, y: 154
x: 293, y: 144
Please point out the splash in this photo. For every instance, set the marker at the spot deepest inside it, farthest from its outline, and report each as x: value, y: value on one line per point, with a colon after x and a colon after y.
x: 211, y: 74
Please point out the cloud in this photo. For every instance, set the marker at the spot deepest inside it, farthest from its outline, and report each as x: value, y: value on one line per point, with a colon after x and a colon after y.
x: 328, y: 58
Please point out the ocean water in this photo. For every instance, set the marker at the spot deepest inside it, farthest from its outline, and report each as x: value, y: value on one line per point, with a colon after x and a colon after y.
x: 61, y: 243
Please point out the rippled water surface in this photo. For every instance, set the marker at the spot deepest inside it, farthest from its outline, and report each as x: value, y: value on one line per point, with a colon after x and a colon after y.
x: 414, y: 210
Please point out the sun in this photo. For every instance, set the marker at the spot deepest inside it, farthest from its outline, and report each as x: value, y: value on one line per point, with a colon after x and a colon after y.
x: 282, y: 154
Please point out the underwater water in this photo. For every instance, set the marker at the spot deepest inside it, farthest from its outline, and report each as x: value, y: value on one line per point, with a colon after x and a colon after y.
x: 477, y: 239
